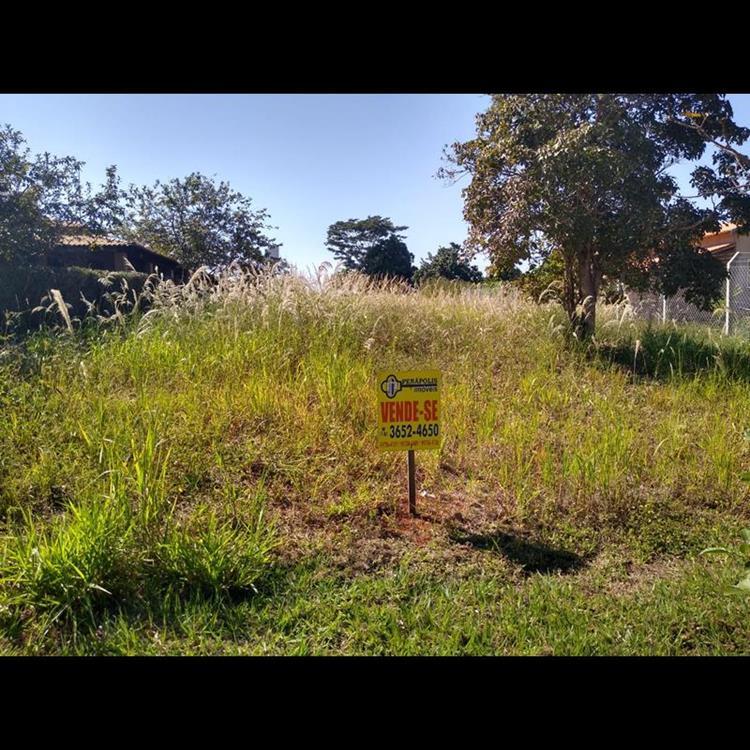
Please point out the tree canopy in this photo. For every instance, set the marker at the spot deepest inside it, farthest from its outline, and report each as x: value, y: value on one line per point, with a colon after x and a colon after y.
x: 389, y: 258
x: 198, y: 221
x: 588, y: 175
x: 447, y: 263
x: 350, y: 240
x: 42, y: 195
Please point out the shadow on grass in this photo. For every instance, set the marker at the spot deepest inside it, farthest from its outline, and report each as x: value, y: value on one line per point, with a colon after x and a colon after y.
x: 533, y: 556
x: 665, y: 353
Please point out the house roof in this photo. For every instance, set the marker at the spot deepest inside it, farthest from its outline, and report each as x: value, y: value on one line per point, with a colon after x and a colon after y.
x: 726, y: 230
x: 88, y: 240
x: 723, y: 246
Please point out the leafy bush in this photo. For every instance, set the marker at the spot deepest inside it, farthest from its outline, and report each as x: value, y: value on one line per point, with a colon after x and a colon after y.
x: 22, y: 291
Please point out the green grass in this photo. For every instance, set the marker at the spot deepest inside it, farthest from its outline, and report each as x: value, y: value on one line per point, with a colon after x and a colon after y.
x: 473, y: 609
x: 204, y: 479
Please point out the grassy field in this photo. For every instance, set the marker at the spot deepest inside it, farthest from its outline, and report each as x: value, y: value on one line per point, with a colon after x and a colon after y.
x: 204, y: 479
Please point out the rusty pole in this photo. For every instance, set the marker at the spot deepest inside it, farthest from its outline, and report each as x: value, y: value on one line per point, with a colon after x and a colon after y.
x: 412, y: 484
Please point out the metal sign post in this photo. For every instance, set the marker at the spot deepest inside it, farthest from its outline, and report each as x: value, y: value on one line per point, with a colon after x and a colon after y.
x: 412, y: 483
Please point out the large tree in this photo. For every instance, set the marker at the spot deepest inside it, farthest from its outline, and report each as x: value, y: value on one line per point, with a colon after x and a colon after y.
x: 729, y: 178
x: 350, y: 240
x: 588, y: 175
x: 389, y: 258
x: 199, y: 221
x: 42, y: 195
x: 447, y: 263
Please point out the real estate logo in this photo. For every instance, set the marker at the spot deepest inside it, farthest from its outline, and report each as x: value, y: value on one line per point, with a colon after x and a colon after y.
x: 391, y: 386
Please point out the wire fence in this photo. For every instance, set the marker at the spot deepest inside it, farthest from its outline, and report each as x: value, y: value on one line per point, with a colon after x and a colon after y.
x: 738, y: 296
x: 732, y: 315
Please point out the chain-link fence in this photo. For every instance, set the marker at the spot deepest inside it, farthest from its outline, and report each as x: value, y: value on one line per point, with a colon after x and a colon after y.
x: 732, y: 315
x: 738, y: 298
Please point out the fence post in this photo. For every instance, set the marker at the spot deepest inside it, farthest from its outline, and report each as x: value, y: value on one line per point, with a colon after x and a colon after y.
x: 728, y: 299
x: 663, y: 308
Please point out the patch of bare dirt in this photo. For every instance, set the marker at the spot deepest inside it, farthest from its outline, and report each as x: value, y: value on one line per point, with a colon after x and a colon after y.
x: 449, y: 528
x: 637, y: 577
x: 616, y: 574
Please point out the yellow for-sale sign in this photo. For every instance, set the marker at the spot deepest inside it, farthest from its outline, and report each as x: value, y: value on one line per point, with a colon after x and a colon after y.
x: 408, y: 409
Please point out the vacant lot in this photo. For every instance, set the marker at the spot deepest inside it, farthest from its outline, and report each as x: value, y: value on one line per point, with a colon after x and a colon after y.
x: 205, y: 479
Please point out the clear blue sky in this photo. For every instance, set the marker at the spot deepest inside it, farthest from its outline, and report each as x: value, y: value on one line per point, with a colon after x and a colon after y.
x: 309, y: 159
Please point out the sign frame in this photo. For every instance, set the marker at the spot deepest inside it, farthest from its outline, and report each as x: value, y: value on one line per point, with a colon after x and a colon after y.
x: 409, y: 413
x: 409, y: 409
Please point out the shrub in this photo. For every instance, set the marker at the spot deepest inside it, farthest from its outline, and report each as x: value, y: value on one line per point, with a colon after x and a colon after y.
x: 23, y: 289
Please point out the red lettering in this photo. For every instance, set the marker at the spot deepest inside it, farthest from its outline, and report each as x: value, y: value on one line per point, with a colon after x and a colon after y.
x: 407, y: 411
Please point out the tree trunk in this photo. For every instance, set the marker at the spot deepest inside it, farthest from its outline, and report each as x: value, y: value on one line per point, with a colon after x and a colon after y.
x: 584, y: 322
